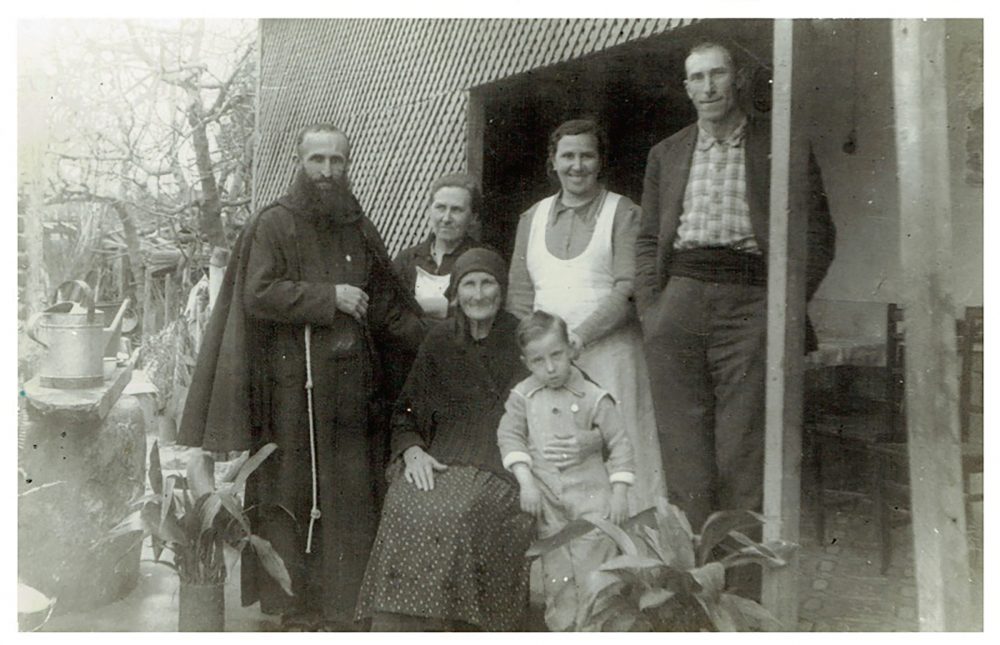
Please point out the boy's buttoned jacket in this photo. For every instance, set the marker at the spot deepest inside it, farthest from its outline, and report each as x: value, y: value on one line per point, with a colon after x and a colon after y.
x: 535, y: 414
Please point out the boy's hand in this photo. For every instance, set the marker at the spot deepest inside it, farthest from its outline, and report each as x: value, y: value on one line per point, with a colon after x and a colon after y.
x: 619, y: 503
x: 531, y: 499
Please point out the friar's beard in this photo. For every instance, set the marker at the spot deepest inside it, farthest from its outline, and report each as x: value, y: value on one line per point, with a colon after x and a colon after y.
x: 331, y: 195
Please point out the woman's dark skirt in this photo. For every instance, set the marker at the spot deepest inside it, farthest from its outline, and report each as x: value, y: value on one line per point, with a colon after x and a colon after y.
x: 454, y: 553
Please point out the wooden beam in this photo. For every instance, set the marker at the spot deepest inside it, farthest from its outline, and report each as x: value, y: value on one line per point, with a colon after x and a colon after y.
x: 940, y: 548
x: 475, y: 125
x: 786, y: 308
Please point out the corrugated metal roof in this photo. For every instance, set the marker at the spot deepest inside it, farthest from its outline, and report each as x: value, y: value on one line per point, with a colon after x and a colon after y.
x: 399, y: 88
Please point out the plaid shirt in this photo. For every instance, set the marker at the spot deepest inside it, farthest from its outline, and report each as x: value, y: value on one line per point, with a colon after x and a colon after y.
x: 716, y: 212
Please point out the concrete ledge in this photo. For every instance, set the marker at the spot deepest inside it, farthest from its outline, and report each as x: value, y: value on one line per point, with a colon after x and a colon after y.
x: 82, y: 406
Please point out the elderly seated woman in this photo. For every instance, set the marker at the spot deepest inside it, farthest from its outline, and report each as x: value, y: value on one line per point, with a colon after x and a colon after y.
x: 449, y: 554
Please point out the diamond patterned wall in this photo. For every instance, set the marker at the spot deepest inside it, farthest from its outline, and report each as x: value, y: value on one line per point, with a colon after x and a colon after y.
x: 400, y: 89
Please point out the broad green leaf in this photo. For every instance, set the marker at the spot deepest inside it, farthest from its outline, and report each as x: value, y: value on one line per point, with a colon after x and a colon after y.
x: 596, y: 621
x: 570, y: 532
x: 642, y: 518
x: 651, y: 538
x: 155, y: 472
x: 31, y: 600
x: 621, y: 622
x: 166, y: 528
x: 630, y: 562
x: 721, y: 621
x: 163, y: 562
x: 603, y: 610
x: 724, y: 617
x: 753, y: 615
x: 774, y: 553
x: 674, y: 536
x: 600, y: 588
x: 201, y: 474
x: 209, y: 510
x: 652, y: 598
x: 157, y: 545
x: 234, y: 468
x: 252, y: 463
x: 272, y: 563
x: 663, y: 507
x: 718, y: 526
x: 782, y: 549
x: 621, y: 538
x: 180, y: 482
x: 598, y: 582
x: 148, y: 497
x: 168, y: 499
x: 235, y: 509
x: 131, y: 524
x: 712, y: 579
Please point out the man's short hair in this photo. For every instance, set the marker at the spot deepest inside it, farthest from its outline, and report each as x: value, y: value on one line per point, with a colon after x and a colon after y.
x: 709, y: 45
x: 538, y: 324
x: 459, y: 180
x: 581, y: 126
x: 320, y: 127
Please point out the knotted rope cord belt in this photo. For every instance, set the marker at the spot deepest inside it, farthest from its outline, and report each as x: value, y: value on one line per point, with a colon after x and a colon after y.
x: 314, y: 514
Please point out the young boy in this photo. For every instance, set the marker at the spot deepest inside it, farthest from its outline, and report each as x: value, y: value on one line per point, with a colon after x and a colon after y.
x: 557, y: 401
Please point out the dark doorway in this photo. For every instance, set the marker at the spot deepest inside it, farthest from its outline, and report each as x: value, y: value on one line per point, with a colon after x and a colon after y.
x: 634, y: 91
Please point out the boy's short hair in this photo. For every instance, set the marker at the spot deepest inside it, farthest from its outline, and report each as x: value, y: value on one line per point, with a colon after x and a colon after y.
x: 537, y: 325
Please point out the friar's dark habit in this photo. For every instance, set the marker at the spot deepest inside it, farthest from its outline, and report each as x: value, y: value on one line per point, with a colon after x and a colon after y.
x: 248, y: 389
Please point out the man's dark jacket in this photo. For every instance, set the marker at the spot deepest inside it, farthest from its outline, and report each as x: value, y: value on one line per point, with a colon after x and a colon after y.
x: 667, y: 171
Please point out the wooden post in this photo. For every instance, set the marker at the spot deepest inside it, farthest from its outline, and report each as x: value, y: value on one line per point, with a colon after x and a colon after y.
x: 786, y: 308
x: 940, y: 549
x: 475, y: 124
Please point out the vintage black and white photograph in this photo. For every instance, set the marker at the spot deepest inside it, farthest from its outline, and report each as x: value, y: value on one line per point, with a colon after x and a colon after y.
x: 500, y: 324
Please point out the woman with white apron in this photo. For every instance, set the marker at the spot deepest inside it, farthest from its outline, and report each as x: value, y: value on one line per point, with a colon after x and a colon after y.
x: 574, y: 257
x: 452, y: 209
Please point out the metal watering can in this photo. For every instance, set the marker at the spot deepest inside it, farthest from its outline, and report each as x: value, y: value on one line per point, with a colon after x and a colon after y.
x: 76, y: 339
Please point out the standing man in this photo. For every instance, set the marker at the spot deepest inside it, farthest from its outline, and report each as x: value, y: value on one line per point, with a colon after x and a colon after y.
x: 701, y: 291
x: 309, y: 296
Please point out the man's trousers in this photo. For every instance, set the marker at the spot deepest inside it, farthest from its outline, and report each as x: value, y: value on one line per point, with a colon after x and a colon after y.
x: 706, y: 349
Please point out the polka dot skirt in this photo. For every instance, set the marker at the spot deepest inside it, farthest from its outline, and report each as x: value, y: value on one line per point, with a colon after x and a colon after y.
x: 455, y: 552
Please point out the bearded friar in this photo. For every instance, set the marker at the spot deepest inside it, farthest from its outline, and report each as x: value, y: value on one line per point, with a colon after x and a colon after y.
x: 309, y: 294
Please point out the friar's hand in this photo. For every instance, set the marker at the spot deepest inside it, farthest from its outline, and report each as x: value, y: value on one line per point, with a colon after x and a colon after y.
x: 352, y: 300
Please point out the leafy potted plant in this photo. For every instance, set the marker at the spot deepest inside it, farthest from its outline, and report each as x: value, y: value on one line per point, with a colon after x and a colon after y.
x: 667, y: 578
x: 205, y: 528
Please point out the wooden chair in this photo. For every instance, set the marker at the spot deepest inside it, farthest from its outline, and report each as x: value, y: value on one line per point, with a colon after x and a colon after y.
x: 891, y: 472
x: 855, y: 426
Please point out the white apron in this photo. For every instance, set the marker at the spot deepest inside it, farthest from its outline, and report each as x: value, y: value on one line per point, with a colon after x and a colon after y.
x: 573, y: 289
x: 429, y: 292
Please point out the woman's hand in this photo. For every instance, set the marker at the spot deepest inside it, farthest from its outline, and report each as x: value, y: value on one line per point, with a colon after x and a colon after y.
x: 571, y: 450
x: 420, y: 468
